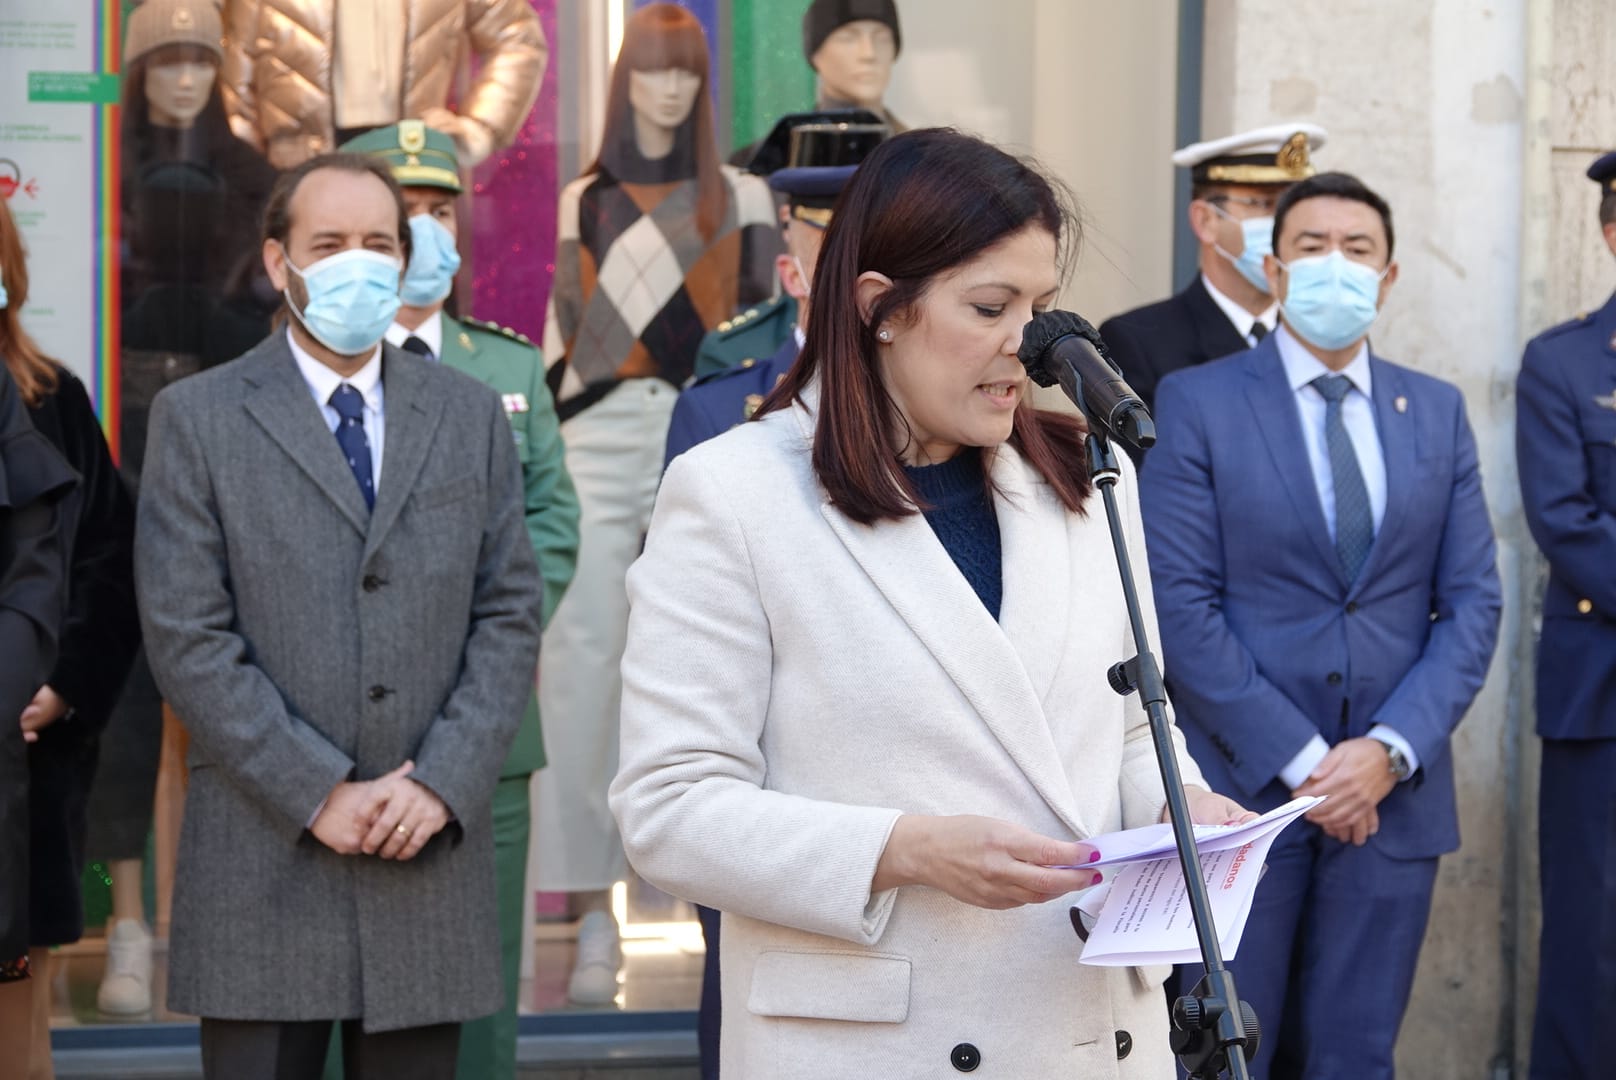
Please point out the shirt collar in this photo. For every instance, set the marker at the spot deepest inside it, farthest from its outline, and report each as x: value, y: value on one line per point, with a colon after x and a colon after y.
x: 1243, y: 320
x: 323, y: 382
x: 1302, y: 367
x: 430, y: 332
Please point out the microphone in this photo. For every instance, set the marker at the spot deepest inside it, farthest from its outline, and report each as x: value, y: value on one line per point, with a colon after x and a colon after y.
x: 1061, y: 347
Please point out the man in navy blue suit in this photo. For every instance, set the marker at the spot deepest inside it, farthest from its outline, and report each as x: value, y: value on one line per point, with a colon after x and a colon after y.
x: 1565, y: 434
x: 1324, y: 573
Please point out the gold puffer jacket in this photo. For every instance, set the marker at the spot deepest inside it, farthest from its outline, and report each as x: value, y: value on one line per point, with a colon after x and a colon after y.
x: 276, y: 74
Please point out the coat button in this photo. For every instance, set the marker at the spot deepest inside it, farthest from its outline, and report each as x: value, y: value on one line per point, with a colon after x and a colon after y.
x: 1124, y: 1045
x: 1334, y: 678
x: 377, y: 692
x: 965, y: 1057
x: 371, y: 583
x: 1585, y: 606
x: 1352, y: 608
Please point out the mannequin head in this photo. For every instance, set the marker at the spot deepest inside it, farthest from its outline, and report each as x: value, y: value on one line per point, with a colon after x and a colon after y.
x: 851, y: 45
x: 659, y: 117
x: 171, y: 54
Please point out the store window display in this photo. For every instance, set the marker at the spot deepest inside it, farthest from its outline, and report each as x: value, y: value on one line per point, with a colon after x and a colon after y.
x: 302, y: 76
x: 852, y: 45
x: 192, y: 296
x: 657, y: 243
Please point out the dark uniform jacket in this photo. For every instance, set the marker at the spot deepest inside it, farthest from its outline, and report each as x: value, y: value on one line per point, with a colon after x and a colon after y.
x: 725, y: 399
x: 1565, y: 434
x: 1154, y: 340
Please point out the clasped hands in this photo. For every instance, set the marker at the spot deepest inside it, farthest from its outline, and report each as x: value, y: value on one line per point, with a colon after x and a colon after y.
x: 996, y: 864
x: 1356, y: 774
x: 392, y: 816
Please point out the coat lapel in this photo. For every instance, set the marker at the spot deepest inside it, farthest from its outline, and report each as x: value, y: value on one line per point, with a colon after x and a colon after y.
x: 1397, y: 446
x: 1274, y: 417
x: 412, y: 420
x: 910, y: 567
x: 283, y: 406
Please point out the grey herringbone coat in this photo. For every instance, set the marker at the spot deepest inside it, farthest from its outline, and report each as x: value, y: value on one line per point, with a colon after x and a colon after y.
x: 303, y: 641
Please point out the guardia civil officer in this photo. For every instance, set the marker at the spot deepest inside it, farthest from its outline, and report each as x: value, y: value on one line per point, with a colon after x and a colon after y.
x: 425, y: 163
x: 820, y: 152
x: 1565, y: 433
x: 1235, y: 184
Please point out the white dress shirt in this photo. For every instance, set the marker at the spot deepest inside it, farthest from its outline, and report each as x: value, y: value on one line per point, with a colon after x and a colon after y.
x: 1358, y: 417
x: 430, y: 332
x: 323, y: 382
x: 1242, y: 319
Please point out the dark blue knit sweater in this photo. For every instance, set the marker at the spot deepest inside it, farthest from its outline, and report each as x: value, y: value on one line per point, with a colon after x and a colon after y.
x: 961, y: 514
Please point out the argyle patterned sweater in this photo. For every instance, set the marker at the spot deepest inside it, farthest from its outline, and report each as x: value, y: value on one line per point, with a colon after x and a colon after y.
x: 636, y: 285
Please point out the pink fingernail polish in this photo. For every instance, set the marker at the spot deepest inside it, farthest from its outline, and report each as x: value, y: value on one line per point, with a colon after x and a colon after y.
x: 1094, y: 856
x: 1096, y: 879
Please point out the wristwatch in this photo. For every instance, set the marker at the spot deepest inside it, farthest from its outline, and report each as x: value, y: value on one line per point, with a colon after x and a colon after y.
x: 1398, y: 762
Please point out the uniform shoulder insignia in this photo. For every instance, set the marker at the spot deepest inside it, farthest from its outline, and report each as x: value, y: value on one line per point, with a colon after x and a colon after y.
x: 737, y: 322
x: 724, y: 373
x: 495, y: 328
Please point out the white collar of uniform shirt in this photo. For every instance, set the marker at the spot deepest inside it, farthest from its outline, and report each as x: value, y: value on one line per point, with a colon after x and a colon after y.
x: 430, y: 332
x: 323, y: 382
x: 1242, y: 319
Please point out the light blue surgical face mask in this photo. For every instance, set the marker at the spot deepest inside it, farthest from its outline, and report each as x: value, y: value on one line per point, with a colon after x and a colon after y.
x: 353, y: 296
x: 434, y: 261
x: 1259, y: 237
x: 1330, y: 300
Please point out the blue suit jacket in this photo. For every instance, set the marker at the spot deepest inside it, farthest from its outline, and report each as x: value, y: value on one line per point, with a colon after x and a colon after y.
x: 1565, y: 432
x: 1265, y: 642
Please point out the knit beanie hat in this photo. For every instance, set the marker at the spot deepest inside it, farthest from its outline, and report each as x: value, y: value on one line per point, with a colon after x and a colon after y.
x: 155, y: 23
x: 824, y: 16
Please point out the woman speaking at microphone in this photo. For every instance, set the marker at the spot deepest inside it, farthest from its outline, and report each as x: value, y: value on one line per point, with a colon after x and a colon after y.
x: 865, y: 709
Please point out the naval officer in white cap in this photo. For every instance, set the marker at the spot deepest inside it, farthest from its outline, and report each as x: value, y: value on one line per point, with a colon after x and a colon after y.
x: 1235, y: 184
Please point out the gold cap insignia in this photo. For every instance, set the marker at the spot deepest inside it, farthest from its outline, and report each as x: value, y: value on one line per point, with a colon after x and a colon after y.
x: 1292, y: 157
x: 411, y: 137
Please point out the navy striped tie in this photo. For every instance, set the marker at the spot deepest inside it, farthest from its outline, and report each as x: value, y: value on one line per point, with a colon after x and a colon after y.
x: 1354, y: 523
x: 350, y: 406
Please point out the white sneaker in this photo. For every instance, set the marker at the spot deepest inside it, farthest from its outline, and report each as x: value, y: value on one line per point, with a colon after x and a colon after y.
x: 126, y: 984
x: 600, y: 959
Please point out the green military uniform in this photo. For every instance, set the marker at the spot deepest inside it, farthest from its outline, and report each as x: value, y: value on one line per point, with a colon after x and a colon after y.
x: 754, y: 334
x: 512, y: 365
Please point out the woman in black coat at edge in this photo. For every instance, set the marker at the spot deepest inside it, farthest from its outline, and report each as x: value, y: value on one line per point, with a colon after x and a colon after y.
x: 34, y: 482
x: 65, y: 711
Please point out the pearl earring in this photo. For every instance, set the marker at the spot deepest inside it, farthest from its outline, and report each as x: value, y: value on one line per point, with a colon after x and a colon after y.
x: 883, y: 334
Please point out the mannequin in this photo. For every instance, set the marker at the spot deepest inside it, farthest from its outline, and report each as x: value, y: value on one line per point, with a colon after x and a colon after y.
x: 191, y: 197
x: 362, y: 64
x: 851, y: 45
x: 618, y: 342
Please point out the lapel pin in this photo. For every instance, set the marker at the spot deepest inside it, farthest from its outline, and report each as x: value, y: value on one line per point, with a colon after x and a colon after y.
x: 465, y: 341
x: 1400, y: 403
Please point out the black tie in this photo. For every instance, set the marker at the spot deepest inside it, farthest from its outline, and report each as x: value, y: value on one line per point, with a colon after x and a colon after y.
x: 417, y: 346
x: 1258, y: 331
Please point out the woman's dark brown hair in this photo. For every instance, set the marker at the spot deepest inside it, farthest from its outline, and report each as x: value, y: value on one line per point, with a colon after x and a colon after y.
x: 922, y: 204
x: 33, y: 371
x: 656, y: 38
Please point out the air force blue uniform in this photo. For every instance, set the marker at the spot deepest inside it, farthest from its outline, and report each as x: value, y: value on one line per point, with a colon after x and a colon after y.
x: 1266, y: 644
x: 720, y: 401
x: 1566, y: 450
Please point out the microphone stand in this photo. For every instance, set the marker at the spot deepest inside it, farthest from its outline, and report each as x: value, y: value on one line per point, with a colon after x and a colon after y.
x: 1214, y: 1032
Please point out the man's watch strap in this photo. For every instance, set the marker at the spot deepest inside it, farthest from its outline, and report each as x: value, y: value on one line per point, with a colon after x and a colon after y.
x: 1398, y: 762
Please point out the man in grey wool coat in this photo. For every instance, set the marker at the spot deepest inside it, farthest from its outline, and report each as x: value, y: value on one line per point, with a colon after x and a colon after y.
x: 341, y: 605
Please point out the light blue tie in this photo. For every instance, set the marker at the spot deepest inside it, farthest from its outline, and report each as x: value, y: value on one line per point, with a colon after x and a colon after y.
x: 1354, y: 522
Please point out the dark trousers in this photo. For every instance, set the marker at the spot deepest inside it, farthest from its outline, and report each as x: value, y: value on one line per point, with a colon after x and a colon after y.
x: 707, y: 1020
x: 1328, y: 956
x: 1576, y: 985
x: 295, y: 1050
